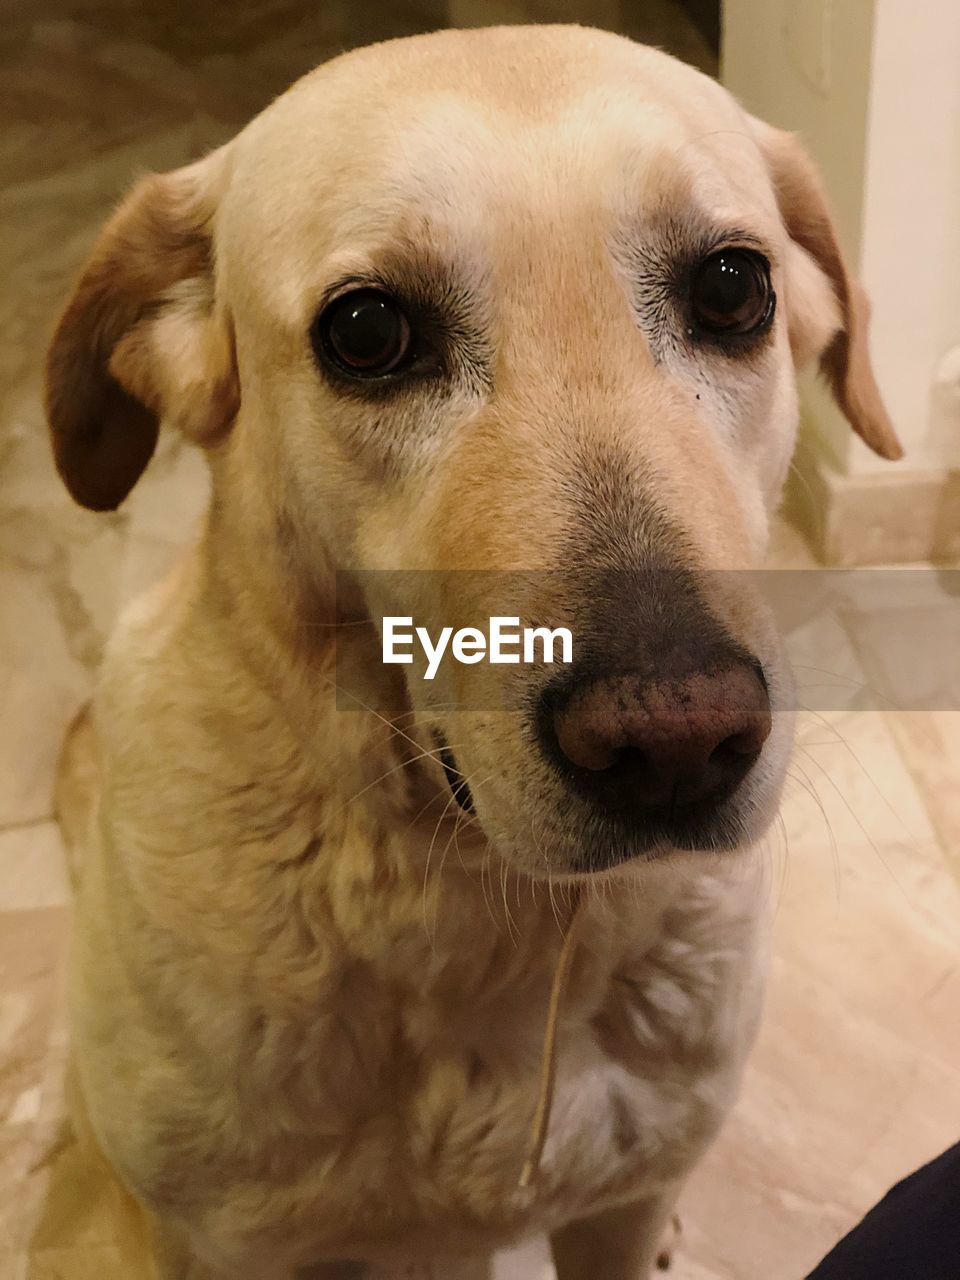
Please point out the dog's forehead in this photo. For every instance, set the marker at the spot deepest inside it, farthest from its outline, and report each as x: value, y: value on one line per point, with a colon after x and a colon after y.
x: 461, y: 136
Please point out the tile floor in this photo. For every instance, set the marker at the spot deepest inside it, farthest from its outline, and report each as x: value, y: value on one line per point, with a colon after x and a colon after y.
x: 856, y: 1078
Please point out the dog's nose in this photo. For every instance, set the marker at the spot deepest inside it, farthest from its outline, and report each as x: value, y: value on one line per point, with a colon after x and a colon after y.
x: 661, y: 748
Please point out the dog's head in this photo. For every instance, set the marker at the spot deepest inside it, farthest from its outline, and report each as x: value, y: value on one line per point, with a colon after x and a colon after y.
x: 527, y: 301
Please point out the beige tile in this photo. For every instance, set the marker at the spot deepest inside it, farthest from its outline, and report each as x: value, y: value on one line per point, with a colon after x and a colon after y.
x: 860, y: 1034
x: 905, y: 625
x: 827, y: 674
x: 853, y: 1082
x: 172, y: 495
x: 861, y: 782
x: 930, y: 745
x: 146, y: 559
x: 33, y: 945
x: 33, y: 870
x: 59, y: 574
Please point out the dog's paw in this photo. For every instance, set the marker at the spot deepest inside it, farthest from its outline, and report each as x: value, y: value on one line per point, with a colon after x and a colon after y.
x: 671, y: 1238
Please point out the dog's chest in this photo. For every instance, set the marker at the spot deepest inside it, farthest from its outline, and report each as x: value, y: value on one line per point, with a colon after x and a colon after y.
x: 408, y: 1122
x: 367, y: 1087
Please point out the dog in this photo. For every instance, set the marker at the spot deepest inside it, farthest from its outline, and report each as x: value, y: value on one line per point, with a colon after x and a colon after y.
x: 521, y: 301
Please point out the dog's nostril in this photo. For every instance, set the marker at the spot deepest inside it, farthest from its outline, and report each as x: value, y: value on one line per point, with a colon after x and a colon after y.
x: 660, y: 748
x: 736, y: 748
x: 586, y: 747
x: 632, y: 758
x: 624, y: 761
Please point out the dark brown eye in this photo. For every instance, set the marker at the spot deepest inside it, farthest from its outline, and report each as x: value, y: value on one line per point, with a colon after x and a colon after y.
x: 365, y: 333
x: 732, y: 295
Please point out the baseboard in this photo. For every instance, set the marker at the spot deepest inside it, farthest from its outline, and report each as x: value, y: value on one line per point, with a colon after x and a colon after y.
x: 888, y: 517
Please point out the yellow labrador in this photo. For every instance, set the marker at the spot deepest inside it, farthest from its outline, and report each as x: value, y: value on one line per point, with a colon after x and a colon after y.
x: 525, y: 299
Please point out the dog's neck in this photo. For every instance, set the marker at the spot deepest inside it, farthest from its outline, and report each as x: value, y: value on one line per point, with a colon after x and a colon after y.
x: 337, y: 823
x: 335, y: 802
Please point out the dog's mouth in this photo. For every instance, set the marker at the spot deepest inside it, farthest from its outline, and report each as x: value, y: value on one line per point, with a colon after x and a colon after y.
x: 455, y: 779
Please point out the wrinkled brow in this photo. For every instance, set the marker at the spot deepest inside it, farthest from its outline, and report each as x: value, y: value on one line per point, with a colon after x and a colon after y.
x: 448, y: 294
x: 687, y: 233
x: 453, y: 286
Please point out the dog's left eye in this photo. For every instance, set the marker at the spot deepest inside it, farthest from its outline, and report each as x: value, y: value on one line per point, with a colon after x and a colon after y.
x: 364, y: 333
x: 732, y: 295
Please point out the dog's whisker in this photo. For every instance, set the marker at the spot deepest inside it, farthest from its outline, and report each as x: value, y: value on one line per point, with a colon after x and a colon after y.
x: 441, y: 793
x: 804, y: 781
x: 461, y: 819
x: 438, y: 883
x: 810, y: 787
x: 437, y: 796
x: 775, y: 847
x: 804, y: 480
x: 508, y: 914
x: 553, y: 901
x: 869, y: 838
x: 451, y: 800
x: 484, y: 868
x: 338, y: 688
x: 432, y: 753
x: 541, y: 854
x: 839, y: 681
x: 785, y: 861
x: 839, y: 739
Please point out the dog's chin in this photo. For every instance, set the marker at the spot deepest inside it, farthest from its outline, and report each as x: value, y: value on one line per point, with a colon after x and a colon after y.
x: 603, y: 849
x: 563, y: 838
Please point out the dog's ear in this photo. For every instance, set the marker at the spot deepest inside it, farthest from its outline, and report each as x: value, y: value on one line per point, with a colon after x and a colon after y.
x: 143, y: 338
x: 828, y: 311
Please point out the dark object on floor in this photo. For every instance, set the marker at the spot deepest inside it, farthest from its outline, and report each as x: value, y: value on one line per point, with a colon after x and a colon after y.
x: 912, y: 1234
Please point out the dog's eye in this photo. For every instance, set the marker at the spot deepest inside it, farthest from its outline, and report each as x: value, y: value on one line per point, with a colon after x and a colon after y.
x: 364, y: 333
x: 732, y: 294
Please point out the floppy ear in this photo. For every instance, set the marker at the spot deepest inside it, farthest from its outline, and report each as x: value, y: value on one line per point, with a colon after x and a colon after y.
x: 832, y: 327
x: 143, y: 338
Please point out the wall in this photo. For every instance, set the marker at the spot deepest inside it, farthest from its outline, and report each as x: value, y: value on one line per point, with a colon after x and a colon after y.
x: 873, y: 87
x: 911, y: 235
x: 806, y: 65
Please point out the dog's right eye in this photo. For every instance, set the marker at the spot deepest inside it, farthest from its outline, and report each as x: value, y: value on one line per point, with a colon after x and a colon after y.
x: 732, y: 295
x: 363, y: 333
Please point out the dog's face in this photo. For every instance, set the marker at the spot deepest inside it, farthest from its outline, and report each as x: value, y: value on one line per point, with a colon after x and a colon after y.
x: 526, y: 301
